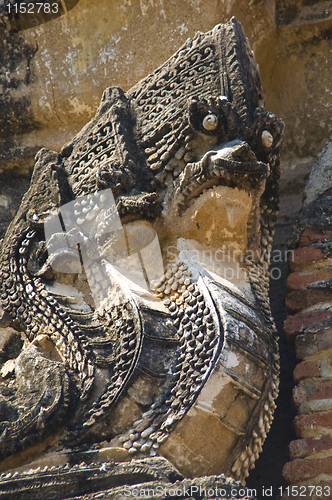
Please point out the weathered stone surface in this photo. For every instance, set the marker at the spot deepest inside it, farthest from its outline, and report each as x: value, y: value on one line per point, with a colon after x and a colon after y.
x: 320, y: 183
x: 98, y: 44
x: 11, y: 192
x: 148, y: 478
x: 299, y: 12
x: 10, y: 343
x: 318, y: 212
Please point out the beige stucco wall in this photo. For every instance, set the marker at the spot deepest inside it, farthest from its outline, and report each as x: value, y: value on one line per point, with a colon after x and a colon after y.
x: 73, y: 58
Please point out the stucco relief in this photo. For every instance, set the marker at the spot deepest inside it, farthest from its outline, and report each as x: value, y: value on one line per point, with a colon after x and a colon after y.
x: 137, y: 269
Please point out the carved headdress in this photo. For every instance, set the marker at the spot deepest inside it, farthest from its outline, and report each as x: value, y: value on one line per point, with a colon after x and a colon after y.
x: 150, y: 129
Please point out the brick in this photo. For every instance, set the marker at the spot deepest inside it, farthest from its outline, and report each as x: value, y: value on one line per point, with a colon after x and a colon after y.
x: 298, y: 280
x: 302, y: 299
x: 307, y: 369
x: 298, y: 470
x: 312, y: 392
x: 297, y: 323
x: 310, y: 236
x: 302, y: 448
x: 299, y: 396
x: 304, y: 255
x: 311, y: 425
x: 313, y: 343
x: 323, y: 391
x: 304, y: 390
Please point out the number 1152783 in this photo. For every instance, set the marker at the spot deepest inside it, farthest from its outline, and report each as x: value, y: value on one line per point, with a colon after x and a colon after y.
x: 305, y: 491
x: 33, y: 8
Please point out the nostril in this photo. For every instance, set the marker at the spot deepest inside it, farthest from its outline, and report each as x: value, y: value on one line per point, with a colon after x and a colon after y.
x: 206, y: 158
x: 243, y: 152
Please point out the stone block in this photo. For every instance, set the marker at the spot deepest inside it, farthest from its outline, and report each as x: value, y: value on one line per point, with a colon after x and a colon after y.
x: 319, y: 182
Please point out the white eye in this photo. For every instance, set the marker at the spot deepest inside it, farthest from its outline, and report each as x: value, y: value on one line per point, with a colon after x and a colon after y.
x: 267, y: 139
x: 210, y: 122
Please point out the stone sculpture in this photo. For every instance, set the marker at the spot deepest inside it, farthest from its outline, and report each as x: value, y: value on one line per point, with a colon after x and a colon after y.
x: 137, y: 271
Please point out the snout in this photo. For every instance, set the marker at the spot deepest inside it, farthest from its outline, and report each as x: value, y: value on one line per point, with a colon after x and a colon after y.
x: 236, y: 158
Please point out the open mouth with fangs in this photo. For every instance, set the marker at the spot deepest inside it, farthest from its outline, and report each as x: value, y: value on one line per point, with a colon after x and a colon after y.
x: 215, y: 201
x: 233, y: 166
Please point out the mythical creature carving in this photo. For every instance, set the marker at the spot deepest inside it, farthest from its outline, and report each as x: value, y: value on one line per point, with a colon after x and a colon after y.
x: 137, y: 270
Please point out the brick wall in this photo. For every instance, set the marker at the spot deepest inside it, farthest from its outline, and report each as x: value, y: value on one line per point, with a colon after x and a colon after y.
x: 309, y: 328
